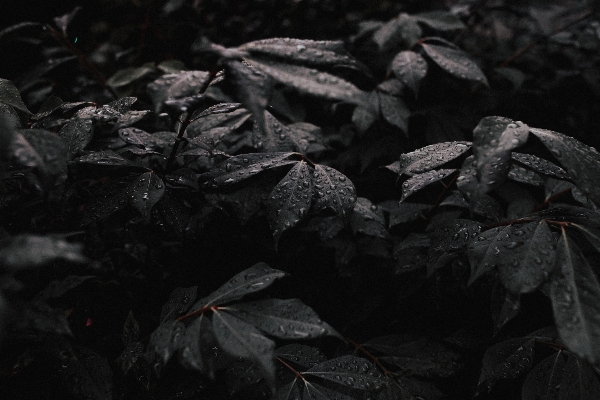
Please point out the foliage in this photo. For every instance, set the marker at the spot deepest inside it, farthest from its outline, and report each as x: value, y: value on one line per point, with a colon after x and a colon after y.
x: 380, y: 231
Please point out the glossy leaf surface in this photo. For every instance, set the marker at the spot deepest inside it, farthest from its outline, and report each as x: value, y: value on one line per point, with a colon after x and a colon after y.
x: 145, y: 192
x: 419, y: 181
x: 428, y: 157
x: 333, y: 190
x: 456, y: 62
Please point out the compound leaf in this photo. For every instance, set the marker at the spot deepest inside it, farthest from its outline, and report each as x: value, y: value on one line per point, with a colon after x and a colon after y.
x: 291, y: 199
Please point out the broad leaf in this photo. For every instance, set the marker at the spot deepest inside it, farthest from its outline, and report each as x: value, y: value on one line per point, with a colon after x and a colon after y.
x: 254, y: 279
x: 402, y: 31
x: 449, y: 239
x: 428, y: 157
x: 238, y: 168
x: 333, y: 190
x: 10, y: 95
x: 286, y: 319
x: 241, y: 339
x: 521, y: 174
x: 494, y: 138
x: 291, y: 199
x: 108, y: 199
x: 575, y: 295
x: 580, y: 161
x: 176, y: 86
x: 77, y: 134
x: 122, y: 105
x: 394, y: 111
x: 311, y: 81
x: 217, y: 120
x: 126, y: 76
x: 145, y: 192
x: 302, y: 355
x: 353, y: 372
x: 456, y: 62
x: 274, y: 136
x: 196, y: 347
x: 540, y: 165
x: 543, y: 382
x: 419, y: 181
x: 179, y: 302
x: 368, y: 219
x: 410, y: 68
x: 407, y: 212
x: 106, y: 158
x: 164, y: 341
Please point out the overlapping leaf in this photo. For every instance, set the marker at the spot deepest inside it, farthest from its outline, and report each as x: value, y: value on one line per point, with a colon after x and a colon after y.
x: 402, y: 31
x: 410, y: 68
x: 77, y: 134
x: 333, y: 190
x: 540, y: 165
x: 274, y: 136
x: 455, y: 61
x: 145, y: 192
x: 428, y: 157
x: 581, y: 161
x: 419, y: 181
x: 448, y: 240
x: 176, y: 86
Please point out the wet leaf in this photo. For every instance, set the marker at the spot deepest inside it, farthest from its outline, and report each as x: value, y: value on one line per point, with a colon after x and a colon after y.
x: 130, y: 356
x: 174, y: 212
x: 179, y: 302
x: 104, y: 158
x: 77, y: 134
x: 511, y: 306
x: 410, y: 68
x: 494, y: 139
x: 291, y: 199
x: 164, y: 341
x: 394, y: 111
x: 456, y: 62
x: 9, y: 95
x: 580, y: 161
x: 521, y: 174
x: 276, y: 136
x: 215, y: 121
x: 575, y: 295
x: 368, y: 219
x: 241, y: 339
x: 123, y: 104
x: 449, y: 239
x: 428, y: 157
x: 407, y: 212
x: 253, y: 88
x: 286, y: 319
x: 302, y: 355
x: 176, y: 86
x: 440, y: 20
x: 108, y: 199
x: 419, y: 181
x: 579, y: 380
x: 467, y: 182
x: 183, y: 178
x: 145, y: 192
x: 402, y: 31
x: 238, y: 168
x: 31, y: 251
x: 333, y: 190
x: 543, y: 382
x: 350, y: 371
x: 311, y: 81
x: 254, y: 279
x: 524, y: 255
x: 540, y: 165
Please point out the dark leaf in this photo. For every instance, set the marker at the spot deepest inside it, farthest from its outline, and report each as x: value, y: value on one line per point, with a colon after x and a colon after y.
x: 521, y: 174
x: 467, y: 182
x: 580, y: 161
x: 487, y: 206
x: 428, y: 157
x: 364, y: 116
x: 145, y: 192
x: 510, y: 308
x: 123, y: 104
x: 31, y: 251
x: 291, y: 199
x: 276, y: 137
x: 164, y: 341
x: 174, y: 212
x: 311, y: 81
x: 238, y: 168
x: 286, y: 319
x: 333, y: 190
x: 104, y: 158
x: 240, y: 339
x: 10, y: 95
x: 183, y: 178
x: 254, y: 279
x: 368, y: 219
x: 131, y: 330
x: 353, y: 372
x: 87, y: 375
x: 410, y: 68
x: 38, y: 317
x: 215, y: 121
x: 456, y: 62
x: 241, y: 376
x: 196, y: 347
x: 253, y: 88
x: 176, y: 86
x: 394, y: 111
x: 540, y: 165
x: 494, y: 138
x: 449, y: 239
x: 126, y: 76
x: 179, y: 302
x: 302, y: 355
x: 419, y: 181
x: 402, y: 31
x: 108, y: 199
x: 130, y: 356
x: 130, y: 118
x: 575, y: 295
x: 478, y: 249
x: 77, y: 134
x: 440, y: 20
x: 52, y: 151
x: 579, y: 380
x: 407, y: 212
x: 543, y: 382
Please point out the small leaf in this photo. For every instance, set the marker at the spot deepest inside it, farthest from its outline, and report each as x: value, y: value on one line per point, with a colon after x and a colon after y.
x: 440, y: 20
x: 410, y: 68
x: 176, y: 86
x: 238, y: 168
x: 419, y: 181
x: 256, y: 278
x: 540, y: 165
x: 179, y: 302
x: 494, y: 138
x: 311, y: 81
x: 394, y: 111
x: 580, y: 161
x: 428, y: 157
x: 145, y: 192
x: 241, y: 339
x: 30, y: 251
x: 63, y: 21
x: 402, y: 31
x: 575, y: 295
x: 456, y: 62
x: 291, y: 199
x: 286, y: 319
x: 77, y: 134
x: 333, y: 190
